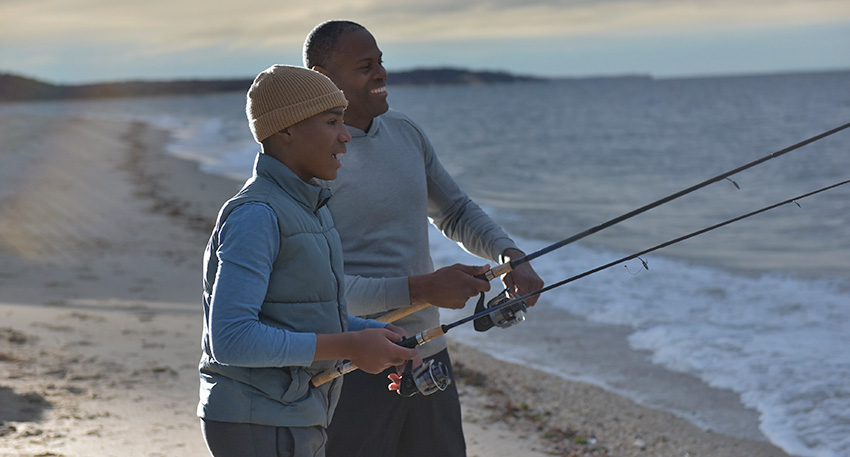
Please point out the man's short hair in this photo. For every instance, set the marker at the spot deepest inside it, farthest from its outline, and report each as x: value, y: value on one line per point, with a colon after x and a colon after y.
x: 322, y: 41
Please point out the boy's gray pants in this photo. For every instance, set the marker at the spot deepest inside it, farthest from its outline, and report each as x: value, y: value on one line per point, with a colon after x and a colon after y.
x: 226, y: 439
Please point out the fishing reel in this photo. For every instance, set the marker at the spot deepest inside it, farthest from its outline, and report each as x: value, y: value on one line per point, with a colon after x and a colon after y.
x: 502, y: 317
x: 430, y: 377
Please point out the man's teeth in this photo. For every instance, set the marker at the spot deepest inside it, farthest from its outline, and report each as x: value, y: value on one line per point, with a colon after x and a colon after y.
x: 379, y: 90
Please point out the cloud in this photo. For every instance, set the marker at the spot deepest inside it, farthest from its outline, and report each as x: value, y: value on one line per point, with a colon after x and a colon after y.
x: 194, y: 37
x: 163, y: 25
x: 621, y: 17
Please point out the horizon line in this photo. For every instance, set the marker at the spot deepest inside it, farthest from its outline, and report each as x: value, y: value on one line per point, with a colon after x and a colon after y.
x: 455, y: 68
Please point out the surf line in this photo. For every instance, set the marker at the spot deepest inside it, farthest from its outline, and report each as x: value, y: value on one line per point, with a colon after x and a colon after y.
x: 435, y: 332
x: 507, y: 267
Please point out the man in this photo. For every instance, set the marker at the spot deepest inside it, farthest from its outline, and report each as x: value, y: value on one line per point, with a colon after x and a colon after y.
x: 392, y: 183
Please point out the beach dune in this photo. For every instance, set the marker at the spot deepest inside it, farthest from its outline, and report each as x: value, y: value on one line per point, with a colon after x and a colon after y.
x: 101, y: 242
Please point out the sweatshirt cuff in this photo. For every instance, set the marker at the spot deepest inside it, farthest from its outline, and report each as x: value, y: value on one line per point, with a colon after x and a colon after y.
x: 501, y: 245
x: 303, y: 349
x: 397, y: 293
x: 358, y: 323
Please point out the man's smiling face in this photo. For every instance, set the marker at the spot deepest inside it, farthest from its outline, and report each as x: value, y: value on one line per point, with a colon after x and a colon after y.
x: 356, y: 67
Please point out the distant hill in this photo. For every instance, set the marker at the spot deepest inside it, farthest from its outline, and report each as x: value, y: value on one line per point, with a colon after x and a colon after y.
x: 19, y: 88
x: 435, y: 76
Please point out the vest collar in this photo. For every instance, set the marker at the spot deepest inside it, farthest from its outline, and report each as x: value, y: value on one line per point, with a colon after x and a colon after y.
x: 311, y: 195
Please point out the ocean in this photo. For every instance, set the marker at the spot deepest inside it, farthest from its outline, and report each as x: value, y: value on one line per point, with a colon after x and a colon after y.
x: 744, y: 330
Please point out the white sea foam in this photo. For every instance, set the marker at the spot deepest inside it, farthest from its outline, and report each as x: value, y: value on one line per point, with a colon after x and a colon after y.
x: 781, y: 343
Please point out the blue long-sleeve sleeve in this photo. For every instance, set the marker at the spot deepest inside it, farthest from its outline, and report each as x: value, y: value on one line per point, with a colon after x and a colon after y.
x: 249, y: 241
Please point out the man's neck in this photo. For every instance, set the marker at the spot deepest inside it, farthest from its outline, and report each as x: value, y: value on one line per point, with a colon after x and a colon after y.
x: 360, y: 125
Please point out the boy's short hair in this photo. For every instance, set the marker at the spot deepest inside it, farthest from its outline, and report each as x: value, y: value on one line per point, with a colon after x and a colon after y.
x: 284, y: 95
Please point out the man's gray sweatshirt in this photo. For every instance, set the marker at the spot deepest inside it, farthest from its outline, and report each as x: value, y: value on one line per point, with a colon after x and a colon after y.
x: 388, y: 188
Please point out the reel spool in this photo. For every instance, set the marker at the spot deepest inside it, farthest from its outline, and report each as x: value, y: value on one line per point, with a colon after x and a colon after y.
x: 502, y: 318
x: 430, y: 377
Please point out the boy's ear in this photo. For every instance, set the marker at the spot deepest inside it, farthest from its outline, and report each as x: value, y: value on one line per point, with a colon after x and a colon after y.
x: 279, y: 138
x: 321, y: 70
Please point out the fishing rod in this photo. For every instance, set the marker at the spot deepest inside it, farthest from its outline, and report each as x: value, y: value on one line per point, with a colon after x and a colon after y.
x: 428, y: 379
x: 507, y: 267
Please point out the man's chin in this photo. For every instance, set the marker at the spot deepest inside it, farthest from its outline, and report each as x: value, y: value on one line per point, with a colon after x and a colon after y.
x: 384, y: 109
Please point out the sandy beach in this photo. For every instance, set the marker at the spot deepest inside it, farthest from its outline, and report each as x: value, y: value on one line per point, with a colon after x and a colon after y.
x: 101, y: 243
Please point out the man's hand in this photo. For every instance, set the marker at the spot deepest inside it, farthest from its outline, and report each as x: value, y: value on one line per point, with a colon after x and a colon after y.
x: 523, y: 279
x: 448, y: 287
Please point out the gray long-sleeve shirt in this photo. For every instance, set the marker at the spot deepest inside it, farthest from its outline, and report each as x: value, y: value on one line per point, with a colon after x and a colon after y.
x: 390, y: 185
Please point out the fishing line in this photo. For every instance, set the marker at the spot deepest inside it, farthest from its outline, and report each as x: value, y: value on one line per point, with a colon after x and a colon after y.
x: 435, y: 332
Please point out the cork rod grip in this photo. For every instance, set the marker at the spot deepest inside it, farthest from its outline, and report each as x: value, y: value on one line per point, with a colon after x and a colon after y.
x: 393, y: 316
x: 330, y: 375
x: 498, y: 270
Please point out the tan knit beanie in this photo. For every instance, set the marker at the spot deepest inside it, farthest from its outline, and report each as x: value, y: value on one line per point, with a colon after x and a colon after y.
x: 284, y: 95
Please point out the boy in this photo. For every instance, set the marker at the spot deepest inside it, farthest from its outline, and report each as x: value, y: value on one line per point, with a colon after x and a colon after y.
x: 274, y: 311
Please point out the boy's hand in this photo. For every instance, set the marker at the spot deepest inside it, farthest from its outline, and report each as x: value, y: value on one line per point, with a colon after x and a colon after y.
x: 374, y: 350
x: 395, y: 377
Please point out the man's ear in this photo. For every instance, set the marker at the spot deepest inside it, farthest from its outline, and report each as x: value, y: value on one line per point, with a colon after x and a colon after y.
x: 321, y: 70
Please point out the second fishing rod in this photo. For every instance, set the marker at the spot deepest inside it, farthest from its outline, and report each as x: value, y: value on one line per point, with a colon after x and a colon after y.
x: 432, y: 377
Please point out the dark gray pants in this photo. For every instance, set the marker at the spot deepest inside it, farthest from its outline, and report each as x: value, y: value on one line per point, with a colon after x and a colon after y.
x: 225, y: 439
x: 371, y: 421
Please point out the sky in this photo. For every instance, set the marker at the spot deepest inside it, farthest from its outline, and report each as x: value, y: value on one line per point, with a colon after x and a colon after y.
x: 86, y: 41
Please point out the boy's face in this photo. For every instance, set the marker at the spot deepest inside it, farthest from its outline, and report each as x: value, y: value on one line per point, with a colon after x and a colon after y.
x: 316, y: 144
x: 356, y: 67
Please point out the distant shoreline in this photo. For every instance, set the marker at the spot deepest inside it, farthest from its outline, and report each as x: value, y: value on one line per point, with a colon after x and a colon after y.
x: 19, y: 88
